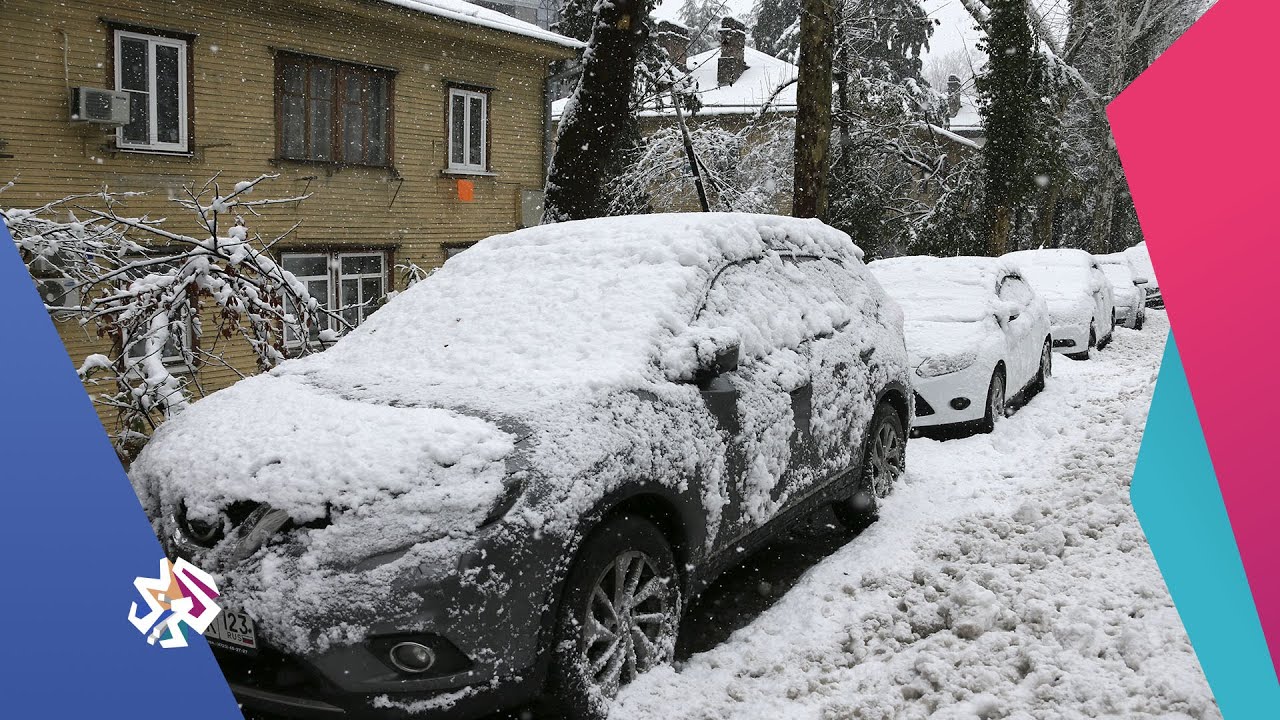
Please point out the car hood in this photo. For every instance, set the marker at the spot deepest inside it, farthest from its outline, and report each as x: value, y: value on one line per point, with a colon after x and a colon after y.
x: 930, y: 339
x: 329, y: 463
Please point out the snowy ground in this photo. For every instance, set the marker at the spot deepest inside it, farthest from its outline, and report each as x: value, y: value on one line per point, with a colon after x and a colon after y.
x: 1007, y: 578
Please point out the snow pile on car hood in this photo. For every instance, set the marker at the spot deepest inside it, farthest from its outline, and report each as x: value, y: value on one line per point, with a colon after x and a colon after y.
x: 949, y: 303
x: 422, y: 472
x: 535, y: 317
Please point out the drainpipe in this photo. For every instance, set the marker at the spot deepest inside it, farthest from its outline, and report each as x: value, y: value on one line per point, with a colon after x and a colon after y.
x: 548, y: 139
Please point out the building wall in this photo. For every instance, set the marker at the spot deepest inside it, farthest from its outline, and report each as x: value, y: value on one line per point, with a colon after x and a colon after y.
x: 414, y: 210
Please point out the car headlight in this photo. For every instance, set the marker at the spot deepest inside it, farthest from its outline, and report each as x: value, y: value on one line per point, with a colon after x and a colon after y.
x: 944, y: 364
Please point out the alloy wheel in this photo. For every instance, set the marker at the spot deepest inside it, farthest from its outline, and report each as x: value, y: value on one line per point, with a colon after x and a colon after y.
x: 630, y: 623
x: 887, y: 458
x: 997, y: 405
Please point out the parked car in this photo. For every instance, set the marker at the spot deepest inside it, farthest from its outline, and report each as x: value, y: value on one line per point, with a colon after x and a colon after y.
x: 511, y: 477
x: 1081, y: 306
x: 976, y: 335
x: 1145, y: 273
x: 1130, y: 297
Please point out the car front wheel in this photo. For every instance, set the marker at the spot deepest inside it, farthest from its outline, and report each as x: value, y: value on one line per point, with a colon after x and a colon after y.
x: 885, y: 459
x: 618, y: 617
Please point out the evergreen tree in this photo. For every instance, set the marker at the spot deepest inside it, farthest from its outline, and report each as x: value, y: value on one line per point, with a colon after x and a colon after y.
x: 598, y: 129
x: 1014, y: 111
x: 576, y: 19
x: 702, y: 18
x: 775, y: 27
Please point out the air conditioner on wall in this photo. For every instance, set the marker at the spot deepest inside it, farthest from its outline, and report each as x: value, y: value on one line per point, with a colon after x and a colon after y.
x: 98, y: 106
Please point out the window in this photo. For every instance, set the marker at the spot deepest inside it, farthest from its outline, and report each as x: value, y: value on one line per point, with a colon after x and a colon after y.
x: 153, y: 71
x: 468, y: 130
x: 453, y: 249
x: 1014, y: 290
x: 172, y: 354
x: 350, y: 284
x: 328, y: 111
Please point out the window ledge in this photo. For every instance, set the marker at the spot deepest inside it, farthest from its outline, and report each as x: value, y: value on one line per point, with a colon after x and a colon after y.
x: 162, y: 153
x: 448, y: 172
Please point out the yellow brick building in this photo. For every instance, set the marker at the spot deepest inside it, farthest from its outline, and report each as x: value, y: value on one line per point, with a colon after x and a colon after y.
x: 415, y: 126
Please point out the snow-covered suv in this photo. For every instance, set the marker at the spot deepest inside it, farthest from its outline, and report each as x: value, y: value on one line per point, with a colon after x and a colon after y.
x: 512, y: 476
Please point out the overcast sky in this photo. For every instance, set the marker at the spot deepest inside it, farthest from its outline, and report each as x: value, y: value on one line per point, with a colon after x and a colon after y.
x: 954, y: 31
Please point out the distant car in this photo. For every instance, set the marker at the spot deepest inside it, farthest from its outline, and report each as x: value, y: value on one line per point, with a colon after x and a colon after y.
x: 1081, y: 306
x: 1144, y: 273
x: 510, y: 478
x: 976, y: 334
x: 1130, y: 298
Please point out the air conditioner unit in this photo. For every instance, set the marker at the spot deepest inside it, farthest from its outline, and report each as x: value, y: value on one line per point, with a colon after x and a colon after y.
x: 98, y: 106
x: 58, y: 293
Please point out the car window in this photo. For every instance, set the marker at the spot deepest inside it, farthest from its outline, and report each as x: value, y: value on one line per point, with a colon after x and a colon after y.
x: 773, y: 303
x: 1015, y: 290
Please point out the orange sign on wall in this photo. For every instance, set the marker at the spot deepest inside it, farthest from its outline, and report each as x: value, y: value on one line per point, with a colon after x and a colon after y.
x: 466, y: 190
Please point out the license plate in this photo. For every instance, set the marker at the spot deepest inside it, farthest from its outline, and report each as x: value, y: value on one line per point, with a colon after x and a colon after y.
x: 233, y: 630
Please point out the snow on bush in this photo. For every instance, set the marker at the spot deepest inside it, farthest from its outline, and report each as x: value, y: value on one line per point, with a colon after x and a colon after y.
x: 146, y: 288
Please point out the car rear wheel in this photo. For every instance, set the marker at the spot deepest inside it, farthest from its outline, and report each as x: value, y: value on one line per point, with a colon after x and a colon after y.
x: 995, y: 402
x: 618, y: 617
x: 884, y: 460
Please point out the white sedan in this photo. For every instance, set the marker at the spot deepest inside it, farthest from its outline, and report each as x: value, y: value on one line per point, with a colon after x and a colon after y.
x: 976, y: 334
x: 1130, y: 297
x: 1081, y: 305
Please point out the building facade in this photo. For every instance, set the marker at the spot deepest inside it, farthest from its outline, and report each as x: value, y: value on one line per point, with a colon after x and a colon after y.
x: 414, y: 127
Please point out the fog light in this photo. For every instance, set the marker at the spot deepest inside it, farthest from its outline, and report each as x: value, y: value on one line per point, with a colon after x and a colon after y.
x: 412, y: 657
x: 959, y: 403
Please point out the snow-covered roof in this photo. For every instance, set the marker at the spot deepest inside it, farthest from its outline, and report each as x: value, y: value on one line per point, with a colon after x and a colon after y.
x: 746, y: 95
x: 764, y: 74
x: 969, y: 118
x: 465, y: 12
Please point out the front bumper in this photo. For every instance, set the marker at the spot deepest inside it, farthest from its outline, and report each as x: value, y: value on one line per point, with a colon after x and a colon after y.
x: 1070, y: 339
x: 1126, y: 316
x: 486, y: 620
x: 466, y: 703
x: 935, y: 396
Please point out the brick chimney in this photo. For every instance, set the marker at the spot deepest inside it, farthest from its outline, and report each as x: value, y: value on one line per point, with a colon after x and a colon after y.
x: 674, y: 38
x: 733, y: 41
x: 953, y: 95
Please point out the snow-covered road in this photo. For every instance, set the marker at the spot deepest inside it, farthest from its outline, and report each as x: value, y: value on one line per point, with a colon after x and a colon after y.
x: 1007, y: 578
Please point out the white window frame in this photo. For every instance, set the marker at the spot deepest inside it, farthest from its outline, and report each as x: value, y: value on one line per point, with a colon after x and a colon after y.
x: 152, y: 144
x: 364, y: 304
x: 185, y: 342
x: 333, y: 278
x: 456, y: 94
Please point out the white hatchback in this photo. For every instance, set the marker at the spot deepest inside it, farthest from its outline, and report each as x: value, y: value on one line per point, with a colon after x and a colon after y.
x: 1081, y: 304
x: 1130, y: 296
x: 976, y: 333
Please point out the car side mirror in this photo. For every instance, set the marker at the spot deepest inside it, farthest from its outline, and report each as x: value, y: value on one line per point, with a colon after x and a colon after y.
x: 724, y: 361
x: 698, y: 354
x: 1139, y: 281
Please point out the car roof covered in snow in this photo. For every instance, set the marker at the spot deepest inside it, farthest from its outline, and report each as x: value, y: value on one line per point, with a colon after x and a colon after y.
x: 568, y: 307
x: 1050, y: 257
x: 465, y: 12
x: 933, y: 289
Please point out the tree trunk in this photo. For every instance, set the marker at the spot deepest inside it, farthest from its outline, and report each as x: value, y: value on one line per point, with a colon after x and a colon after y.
x: 813, y: 109
x: 1044, y: 220
x: 597, y: 118
x: 1003, y: 228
